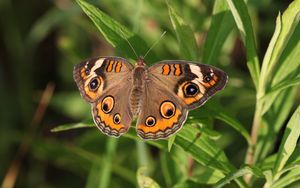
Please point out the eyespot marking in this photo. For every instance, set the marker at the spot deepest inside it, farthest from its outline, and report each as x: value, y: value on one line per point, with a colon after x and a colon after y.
x: 117, y: 119
x: 167, y: 109
x: 150, y: 121
x: 107, y: 104
x: 94, y: 84
x: 190, y: 89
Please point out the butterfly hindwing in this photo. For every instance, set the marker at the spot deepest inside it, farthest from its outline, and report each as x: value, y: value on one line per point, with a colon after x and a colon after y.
x: 111, y: 112
x: 162, y: 113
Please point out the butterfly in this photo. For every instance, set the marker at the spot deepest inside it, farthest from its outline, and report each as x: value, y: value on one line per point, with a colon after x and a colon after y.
x: 160, y: 96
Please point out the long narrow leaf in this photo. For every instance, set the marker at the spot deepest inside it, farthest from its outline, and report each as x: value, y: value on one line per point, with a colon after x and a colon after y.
x: 117, y: 34
x: 240, y: 172
x: 289, y: 141
x: 221, y: 25
x: 289, y: 178
x: 185, y: 36
x: 242, y: 19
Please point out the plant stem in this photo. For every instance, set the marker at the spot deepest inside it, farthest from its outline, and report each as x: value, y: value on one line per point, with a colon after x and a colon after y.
x: 250, y: 155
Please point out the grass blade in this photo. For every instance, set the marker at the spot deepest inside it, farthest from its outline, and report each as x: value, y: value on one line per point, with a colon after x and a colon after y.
x: 288, y: 144
x: 234, y: 124
x: 117, y: 34
x: 239, y: 173
x: 274, y: 120
x: 283, y: 85
x: 221, y: 25
x: 242, y: 19
x: 185, y: 36
x: 111, y: 146
x: 72, y: 126
x: 289, y: 178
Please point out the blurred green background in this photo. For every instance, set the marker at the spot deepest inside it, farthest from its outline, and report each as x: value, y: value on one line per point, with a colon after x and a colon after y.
x: 40, y: 43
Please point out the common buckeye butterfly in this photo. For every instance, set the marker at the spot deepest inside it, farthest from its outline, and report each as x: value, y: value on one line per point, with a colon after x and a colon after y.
x: 159, y: 96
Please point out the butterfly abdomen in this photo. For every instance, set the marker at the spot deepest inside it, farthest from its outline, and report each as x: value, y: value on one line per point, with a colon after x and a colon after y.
x: 137, y: 90
x: 135, y: 99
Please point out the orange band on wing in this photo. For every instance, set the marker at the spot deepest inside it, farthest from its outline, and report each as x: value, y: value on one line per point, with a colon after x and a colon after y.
x: 110, y: 66
x: 118, y: 66
x: 177, y: 71
x: 107, y: 120
x: 166, y: 69
x: 161, y: 124
x: 83, y: 73
x: 191, y: 100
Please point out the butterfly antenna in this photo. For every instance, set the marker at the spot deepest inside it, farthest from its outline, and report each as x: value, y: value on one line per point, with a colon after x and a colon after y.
x: 131, y: 47
x: 129, y: 43
x: 155, y: 43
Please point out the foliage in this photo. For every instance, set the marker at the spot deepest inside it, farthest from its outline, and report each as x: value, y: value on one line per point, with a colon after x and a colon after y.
x: 246, y: 136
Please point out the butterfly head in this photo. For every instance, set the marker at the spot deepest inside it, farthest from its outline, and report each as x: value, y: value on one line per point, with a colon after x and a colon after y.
x: 140, y: 62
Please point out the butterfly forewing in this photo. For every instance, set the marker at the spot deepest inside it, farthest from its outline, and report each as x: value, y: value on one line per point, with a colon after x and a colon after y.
x: 193, y: 83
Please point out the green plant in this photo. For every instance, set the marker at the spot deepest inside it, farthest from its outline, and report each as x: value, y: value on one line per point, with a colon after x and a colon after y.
x: 246, y: 136
x: 275, y: 89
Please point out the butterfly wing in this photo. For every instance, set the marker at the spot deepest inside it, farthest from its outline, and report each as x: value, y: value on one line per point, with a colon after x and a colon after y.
x: 192, y: 82
x: 106, y: 83
x: 94, y: 76
x: 173, y: 88
x: 162, y: 113
x: 111, y: 112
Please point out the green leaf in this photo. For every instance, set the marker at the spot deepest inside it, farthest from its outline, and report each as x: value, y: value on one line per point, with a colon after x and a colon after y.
x: 206, y: 176
x: 198, y: 145
x: 185, y: 36
x: 239, y: 173
x: 283, y: 85
x: 288, y: 143
x: 72, y: 126
x: 171, y: 142
x: 174, y: 166
x: 289, y: 178
x: 274, y: 119
x: 117, y: 34
x: 66, y: 155
x: 287, y: 73
x: 288, y: 22
x: 228, y: 119
x: 202, y: 149
x: 93, y: 177
x: 234, y: 124
x: 221, y: 25
x: 242, y: 19
x: 106, y: 168
x: 145, y: 181
x: 267, y: 59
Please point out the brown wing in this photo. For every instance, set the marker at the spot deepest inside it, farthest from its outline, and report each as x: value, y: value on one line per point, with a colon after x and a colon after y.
x: 111, y: 112
x: 106, y: 83
x: 162, y: 113
x: 191, y: 82
x: 94, y: 76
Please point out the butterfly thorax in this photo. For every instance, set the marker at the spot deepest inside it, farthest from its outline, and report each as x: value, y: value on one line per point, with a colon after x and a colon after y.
x: 139, y: 76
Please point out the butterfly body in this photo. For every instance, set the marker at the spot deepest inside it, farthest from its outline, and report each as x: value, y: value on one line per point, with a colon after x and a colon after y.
x: 159, y: 96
